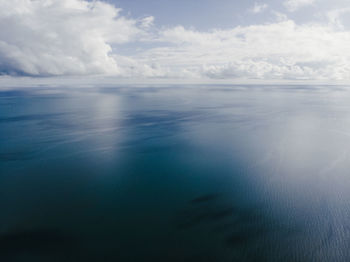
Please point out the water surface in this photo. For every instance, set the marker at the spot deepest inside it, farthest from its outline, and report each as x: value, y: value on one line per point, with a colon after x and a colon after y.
x: 175, y: 173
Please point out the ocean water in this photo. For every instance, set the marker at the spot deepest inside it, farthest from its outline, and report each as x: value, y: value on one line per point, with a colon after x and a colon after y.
x: 175, y: 173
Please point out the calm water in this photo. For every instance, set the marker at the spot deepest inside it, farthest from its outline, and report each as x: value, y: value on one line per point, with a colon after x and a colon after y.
x: 175, y: 173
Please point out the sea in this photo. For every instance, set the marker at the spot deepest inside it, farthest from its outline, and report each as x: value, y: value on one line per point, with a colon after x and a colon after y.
x: 175, y: 173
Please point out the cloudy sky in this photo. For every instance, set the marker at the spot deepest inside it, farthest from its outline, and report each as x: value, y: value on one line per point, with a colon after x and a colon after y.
x: 160, y: 39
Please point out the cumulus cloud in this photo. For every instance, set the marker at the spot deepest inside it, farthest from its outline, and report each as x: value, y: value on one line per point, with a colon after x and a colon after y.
x: 56, y: 37
x: 293, y: 5
x: 74, y: 37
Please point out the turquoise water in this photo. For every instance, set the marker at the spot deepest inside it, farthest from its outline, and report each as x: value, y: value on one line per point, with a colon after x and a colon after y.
x: 175, y: 173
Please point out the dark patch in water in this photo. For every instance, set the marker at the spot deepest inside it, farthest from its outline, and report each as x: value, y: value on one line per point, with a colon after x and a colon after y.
x: 204, y: 198
x: 237, y: 227
x: 220, y: 214
x: 205, y: 214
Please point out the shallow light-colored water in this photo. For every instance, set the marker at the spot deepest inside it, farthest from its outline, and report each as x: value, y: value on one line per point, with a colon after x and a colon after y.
x: 175, y: 173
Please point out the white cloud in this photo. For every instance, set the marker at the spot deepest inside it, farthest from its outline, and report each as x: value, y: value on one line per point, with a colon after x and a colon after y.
x: 55, y: 37
x: 73, y: 37
x: 293, y: 5
x: 282, y: 50
x: 258, y: 8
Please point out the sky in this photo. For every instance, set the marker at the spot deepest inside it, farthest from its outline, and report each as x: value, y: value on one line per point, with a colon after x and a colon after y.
x: 182, y: 39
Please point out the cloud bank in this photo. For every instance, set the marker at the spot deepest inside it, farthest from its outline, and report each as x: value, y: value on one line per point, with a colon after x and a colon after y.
x: 78, y: 37
x: 282, y: 50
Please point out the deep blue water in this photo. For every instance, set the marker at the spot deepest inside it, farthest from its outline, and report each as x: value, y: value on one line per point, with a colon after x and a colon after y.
x: 175, y: 173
